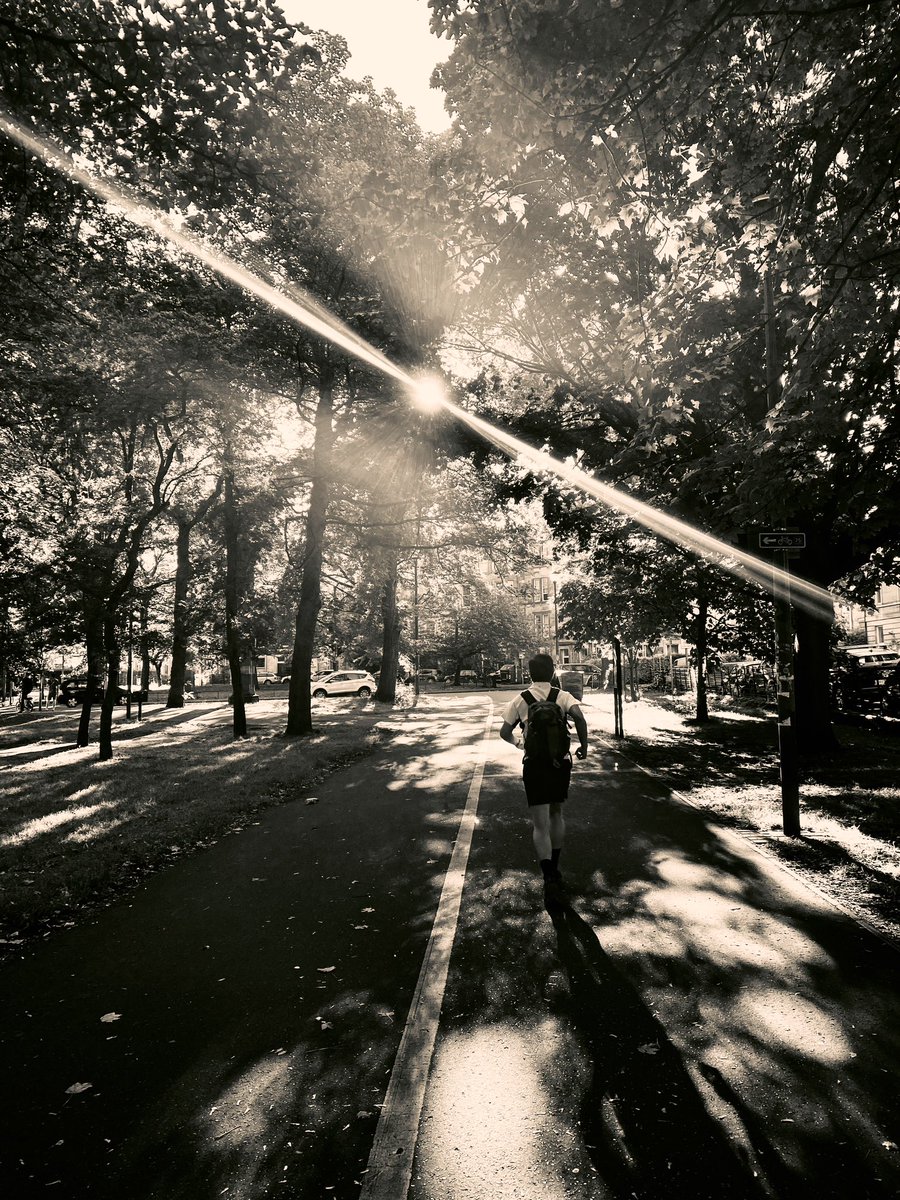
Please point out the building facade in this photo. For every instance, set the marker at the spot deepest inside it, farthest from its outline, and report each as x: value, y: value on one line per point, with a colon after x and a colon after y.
x: 883, y: 623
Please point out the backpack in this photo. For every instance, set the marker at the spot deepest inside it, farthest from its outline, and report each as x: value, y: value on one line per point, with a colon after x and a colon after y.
x: 546, y: 734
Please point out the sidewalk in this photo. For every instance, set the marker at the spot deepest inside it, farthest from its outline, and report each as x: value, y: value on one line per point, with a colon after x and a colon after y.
x: 699, y: 1022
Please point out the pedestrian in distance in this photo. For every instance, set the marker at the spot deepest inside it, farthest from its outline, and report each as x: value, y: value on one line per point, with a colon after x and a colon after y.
x: 543, y: 711
x: 26, y: 704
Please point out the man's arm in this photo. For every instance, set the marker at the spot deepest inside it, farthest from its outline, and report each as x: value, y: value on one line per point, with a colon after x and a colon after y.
x: 506, y: 732
x: 581, y: 727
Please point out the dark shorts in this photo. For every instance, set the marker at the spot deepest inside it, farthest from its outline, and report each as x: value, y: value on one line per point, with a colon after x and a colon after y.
x: 544, y: 783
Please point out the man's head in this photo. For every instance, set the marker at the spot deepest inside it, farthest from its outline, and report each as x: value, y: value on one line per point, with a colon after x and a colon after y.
x: 540, y: 668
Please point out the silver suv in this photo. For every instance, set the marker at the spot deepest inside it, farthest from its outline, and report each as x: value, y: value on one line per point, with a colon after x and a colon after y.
x: 343, y: 683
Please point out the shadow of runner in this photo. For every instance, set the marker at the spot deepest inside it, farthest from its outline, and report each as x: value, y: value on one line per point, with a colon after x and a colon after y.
x: 646, y: 1126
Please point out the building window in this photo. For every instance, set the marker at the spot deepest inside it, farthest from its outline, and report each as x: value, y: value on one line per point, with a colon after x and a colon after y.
x: 542, y: 624
x: 879, y: 635
x: 541, y: 590
x: 566, y: 657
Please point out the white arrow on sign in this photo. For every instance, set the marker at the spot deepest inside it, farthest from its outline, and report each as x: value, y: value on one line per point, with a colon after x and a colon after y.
x: 782, y: 541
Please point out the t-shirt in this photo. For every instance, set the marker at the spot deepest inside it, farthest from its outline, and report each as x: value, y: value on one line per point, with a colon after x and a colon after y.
x: 516, y: 712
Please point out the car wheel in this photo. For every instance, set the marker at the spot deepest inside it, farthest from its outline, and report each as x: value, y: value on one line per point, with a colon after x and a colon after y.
x: 364, y: 693
x: 319, y: 694
x: 71, y: 702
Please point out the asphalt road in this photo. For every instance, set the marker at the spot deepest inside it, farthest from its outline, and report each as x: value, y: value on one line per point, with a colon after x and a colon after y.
x: 697, y: 1022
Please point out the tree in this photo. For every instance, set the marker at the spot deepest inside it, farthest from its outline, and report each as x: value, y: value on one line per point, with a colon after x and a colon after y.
x: 186, y: 519
x: 630, y: 219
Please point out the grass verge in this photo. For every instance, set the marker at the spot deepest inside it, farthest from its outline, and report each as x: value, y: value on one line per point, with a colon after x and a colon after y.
x: 849, y: 799
x: 75, y: 832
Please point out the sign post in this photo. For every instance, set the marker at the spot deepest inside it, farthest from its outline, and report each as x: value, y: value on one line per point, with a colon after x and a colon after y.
x: 781, y: 544
x: 617, y: 690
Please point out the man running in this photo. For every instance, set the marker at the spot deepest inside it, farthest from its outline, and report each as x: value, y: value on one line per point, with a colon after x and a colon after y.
x: 546, y: 782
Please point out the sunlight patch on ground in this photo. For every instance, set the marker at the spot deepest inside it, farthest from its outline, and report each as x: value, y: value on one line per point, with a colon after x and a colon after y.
x: 702, y: 912
x: 760, y: 808
x: 97, y: 829
x: 238, y: 1123
x: 46, y: 824
x: 794, y: 1023
x: 487, y: 1118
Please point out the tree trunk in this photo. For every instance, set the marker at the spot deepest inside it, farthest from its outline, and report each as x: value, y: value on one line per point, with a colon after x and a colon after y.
x: 175, y: 698
x: 146, y: 661
x: 812, y: 719
x: 631, y: 655
x: 701, y: 645
x: 108, y: 707
x: 93, y: 624
x: 233, y: 575
x: 390, y: 644
x: 299, y: 720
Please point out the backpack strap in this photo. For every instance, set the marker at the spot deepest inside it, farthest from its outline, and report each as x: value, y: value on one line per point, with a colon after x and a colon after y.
x: 552, y: 695
x: 528, y: 698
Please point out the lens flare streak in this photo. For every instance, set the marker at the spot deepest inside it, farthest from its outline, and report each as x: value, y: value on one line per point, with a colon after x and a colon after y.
x: 764, y: 574
x: 299, y: 306
x: 293, y: 303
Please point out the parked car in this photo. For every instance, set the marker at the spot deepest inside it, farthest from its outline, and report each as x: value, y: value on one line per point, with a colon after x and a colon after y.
x: 343, y: 683
x: 428, y: 675
x: 470, y: 678
x: 73, y: 691
x: 863, y: 679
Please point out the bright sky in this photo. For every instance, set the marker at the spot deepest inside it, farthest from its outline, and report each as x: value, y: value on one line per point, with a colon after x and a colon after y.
x: 389, y: 40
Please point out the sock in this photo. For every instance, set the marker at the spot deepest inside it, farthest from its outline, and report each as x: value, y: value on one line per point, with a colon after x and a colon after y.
x: 554, y: 857
x: 548, y: 869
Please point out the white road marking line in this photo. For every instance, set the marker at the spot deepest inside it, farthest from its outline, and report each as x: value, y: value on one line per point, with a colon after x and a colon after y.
x: 391, y: 1158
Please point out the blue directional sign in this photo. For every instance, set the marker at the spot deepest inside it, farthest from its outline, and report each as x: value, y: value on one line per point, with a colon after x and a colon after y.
x: 778, y: 540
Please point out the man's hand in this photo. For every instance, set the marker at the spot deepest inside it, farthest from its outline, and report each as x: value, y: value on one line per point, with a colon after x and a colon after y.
x: 581, y: 752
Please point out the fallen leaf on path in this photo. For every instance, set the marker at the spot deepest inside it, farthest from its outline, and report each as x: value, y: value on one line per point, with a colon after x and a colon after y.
x: 650, y: 1048
x: 367, y: 910
x: 76, y: 1088
x: 108, y: 1018
x: 324, y: 968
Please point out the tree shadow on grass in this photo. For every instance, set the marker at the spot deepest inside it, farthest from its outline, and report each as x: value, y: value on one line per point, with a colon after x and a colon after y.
x: 848, y: 875
x: 719, y: 754
x: 35, y: 754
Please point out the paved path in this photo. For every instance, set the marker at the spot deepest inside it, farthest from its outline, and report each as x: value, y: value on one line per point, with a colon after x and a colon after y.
x: 697, y: 1023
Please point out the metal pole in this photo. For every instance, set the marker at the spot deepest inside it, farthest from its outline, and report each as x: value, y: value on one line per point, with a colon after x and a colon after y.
x: 787, y: 735
x: 128, y: 681
x: 617, y: 690
x: 416, y: 616
x: 555, y: 625
x: 784, y: 632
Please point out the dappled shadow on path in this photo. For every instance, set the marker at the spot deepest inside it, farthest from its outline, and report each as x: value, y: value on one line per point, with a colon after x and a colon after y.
x: 647, y: 1128
x: 703, y: 1024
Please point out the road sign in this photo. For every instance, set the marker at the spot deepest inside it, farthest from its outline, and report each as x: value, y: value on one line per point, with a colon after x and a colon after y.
x: 782, y: 541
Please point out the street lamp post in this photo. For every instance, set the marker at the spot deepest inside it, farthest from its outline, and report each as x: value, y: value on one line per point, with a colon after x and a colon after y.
x: 129, y: 660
